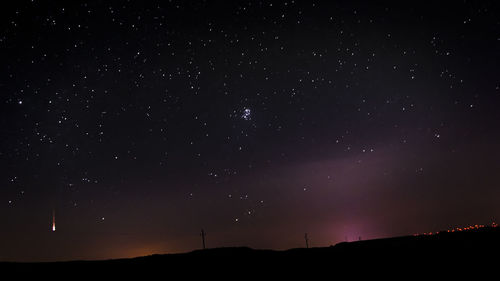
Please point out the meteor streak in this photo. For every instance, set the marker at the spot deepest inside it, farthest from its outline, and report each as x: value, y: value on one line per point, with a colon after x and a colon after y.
x: 53, y: 220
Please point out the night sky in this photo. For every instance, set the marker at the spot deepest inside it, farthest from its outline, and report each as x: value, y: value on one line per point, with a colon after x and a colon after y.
x: 138, y: 123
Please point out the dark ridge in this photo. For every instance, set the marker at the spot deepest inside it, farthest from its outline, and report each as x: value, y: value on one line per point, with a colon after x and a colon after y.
x: 474, y: 247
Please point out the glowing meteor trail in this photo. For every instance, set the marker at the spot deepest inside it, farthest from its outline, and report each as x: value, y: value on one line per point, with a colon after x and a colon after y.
x: 53, y: 220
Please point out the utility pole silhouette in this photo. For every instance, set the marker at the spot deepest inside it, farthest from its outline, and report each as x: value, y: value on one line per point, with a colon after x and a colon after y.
x: 202, y: 234
x: 307, y: 241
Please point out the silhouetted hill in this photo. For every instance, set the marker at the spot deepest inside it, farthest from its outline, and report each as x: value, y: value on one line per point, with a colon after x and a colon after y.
x: 478, y: 247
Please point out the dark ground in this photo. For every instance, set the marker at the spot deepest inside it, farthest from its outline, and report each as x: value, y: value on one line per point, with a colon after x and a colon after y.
x: 465, y: 253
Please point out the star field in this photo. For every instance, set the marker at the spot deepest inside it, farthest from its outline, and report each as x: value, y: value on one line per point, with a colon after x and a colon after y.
x: 140, y: 122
